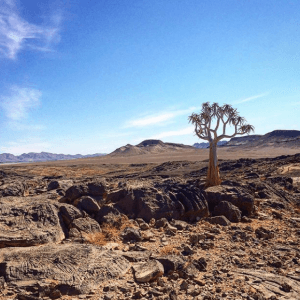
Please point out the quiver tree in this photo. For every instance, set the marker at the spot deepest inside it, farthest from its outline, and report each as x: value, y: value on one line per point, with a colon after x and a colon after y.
x: 220, y: 116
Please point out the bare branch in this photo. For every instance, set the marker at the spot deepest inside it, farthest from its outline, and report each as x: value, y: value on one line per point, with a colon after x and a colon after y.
x: 225, y: 114
x: 217, y: 126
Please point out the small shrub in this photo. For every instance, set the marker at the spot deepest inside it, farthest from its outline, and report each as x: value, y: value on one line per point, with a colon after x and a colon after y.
x: 97, y: 238
x: 110, y: 233
x: 169, y: 250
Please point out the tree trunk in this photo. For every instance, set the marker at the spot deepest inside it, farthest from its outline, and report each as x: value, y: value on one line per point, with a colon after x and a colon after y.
x: 213, y: 175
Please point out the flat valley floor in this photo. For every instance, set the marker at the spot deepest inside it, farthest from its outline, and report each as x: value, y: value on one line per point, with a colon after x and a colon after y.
x: 145, y: 227
x: 113, y: 165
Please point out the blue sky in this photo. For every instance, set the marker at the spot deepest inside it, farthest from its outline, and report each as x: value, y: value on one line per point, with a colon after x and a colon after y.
x: 91, y: 76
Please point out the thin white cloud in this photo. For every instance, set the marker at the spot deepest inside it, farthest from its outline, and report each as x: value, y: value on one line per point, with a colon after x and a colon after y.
x: 23, y: 126
x: 158, y: 119
x: 19, y: 103
x: 16, y: 33
x: 252, y: 98
x: 150, y: 120
x: 185, y: 131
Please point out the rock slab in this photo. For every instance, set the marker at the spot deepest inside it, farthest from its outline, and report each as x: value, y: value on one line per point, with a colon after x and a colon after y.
x: 76, y: 268
x: 148, y: 271
x: 28, y: 222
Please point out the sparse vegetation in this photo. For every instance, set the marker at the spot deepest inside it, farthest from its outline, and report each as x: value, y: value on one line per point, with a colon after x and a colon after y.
x: 110, y: 233
x: 169, y: 250
x: 98, y: 238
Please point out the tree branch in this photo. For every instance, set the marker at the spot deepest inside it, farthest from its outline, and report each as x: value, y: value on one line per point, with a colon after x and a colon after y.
x: 217, y: 126
x: 228, y: 136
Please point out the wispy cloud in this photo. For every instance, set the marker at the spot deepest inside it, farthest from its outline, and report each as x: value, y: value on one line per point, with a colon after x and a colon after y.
x: 23, y: 126
x: 252, y: 98
x: 185, y: 131
x: 158, y: 119
x: 20, y: 102
x: 16, y: 33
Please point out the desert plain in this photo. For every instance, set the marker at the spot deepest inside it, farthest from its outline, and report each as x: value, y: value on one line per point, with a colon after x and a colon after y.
x: 146, y: 227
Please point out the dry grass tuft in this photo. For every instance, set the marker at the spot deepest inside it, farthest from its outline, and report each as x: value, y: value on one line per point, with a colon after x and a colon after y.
x: 110, y: 233
x: 169, y: 250
x: 97, y: 238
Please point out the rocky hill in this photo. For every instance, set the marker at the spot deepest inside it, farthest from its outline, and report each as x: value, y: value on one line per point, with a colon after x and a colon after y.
x: 148, y: 147
x: 43, y: 156
x: 276, y: 138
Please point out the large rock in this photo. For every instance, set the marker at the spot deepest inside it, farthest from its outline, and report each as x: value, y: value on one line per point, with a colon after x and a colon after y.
x: 171, y: 262
x: 89, y: 205
x: 13, y: 188
x: 69, y: 213
x: 131, y: 234
x: 86, y: 225
x: 148, y: 271
x: 110, y: 215
x: 235, y: 195
x: 59, y: 184
x: 147, y: 203
x: 219, y: 220
x: 170, y: 202
x: 73, y: 268
x: 93, y: 188
x: 26, y: 222
x: 227, y: 209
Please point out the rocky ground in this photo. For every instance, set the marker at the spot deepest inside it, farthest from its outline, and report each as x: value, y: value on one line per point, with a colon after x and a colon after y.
x: 151, y: 231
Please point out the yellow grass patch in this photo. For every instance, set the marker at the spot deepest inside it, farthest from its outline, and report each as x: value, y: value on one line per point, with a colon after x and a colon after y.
x: 169, y: 250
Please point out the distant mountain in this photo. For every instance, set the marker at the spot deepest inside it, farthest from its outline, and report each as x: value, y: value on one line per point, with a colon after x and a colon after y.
x: 43, y: 156
x: 276, y: 138
x: 206, y: 145
x: 147, y: 147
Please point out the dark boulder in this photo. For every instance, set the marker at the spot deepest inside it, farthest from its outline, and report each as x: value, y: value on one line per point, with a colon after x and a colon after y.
x: 69, y: 213
x: 94, y: 188
x: 163, y: 201
x: 227, y: 209
x: 89, y: 205
x: 14, y: 188
x: 86, y: 225
x: 220, y: 220
x: 171, y: 262
x: 59, y: 184
x: 161, y: 222
x: 131, y: 234
x: 235, y: 195
x: 53, y: 185
x: 110, y: 215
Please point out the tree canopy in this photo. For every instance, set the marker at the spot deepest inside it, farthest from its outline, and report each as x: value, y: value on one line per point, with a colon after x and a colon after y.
x: 224, y: 115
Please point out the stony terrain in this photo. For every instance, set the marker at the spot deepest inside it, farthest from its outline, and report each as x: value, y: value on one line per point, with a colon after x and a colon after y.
x: 151, y: 230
